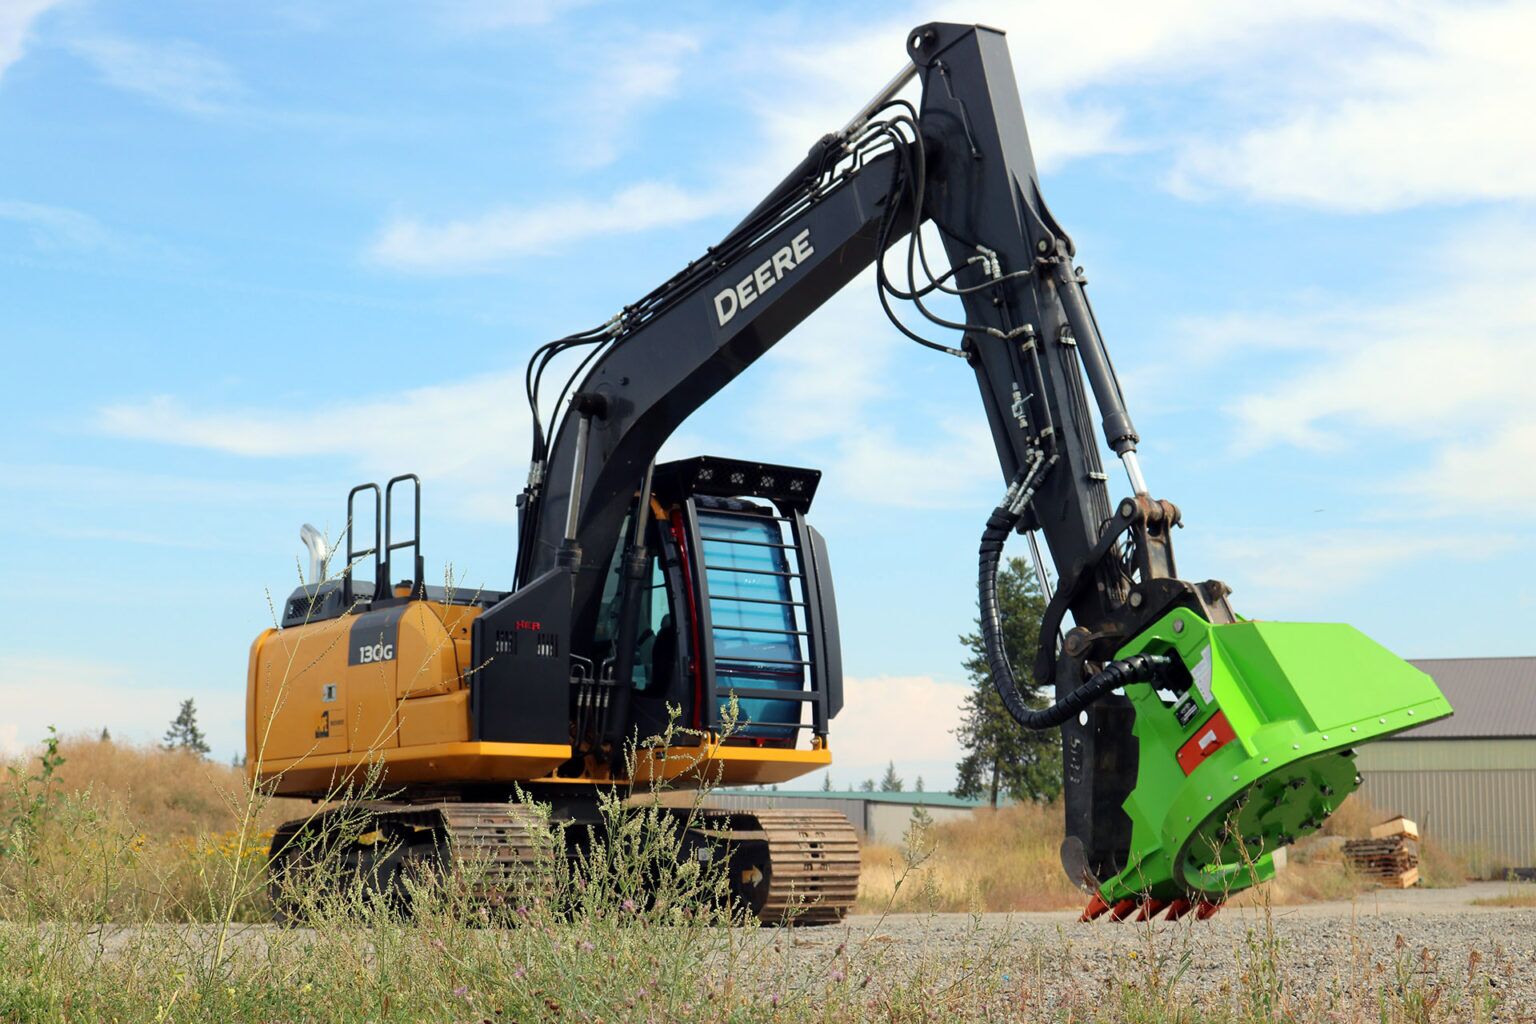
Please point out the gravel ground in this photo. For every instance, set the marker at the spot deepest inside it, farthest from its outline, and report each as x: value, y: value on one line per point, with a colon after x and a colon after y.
x: 1322, y: 961
x: 1387, y: 939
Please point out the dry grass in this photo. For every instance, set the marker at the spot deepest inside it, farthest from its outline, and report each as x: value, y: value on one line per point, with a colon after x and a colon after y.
x: 130, y: 833
x: 999, y: 860
x: 1520, y: 894
x: 1007, y: 860
x: 174, y: 793
x: 584, y: 944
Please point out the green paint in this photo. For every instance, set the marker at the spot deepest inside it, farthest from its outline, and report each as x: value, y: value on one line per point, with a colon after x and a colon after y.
x: 1299, y: 697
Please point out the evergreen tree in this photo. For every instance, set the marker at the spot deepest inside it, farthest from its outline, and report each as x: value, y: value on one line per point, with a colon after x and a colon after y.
x: 826, y: 783
x: 890, y: 782
x: 106, y: 735
x: 867, y: 786
x: 1001, y: 756
x: 184, y: 733
x: 917, y: 787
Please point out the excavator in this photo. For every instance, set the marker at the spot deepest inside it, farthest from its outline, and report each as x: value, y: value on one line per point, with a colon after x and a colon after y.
x: 1197, y: 744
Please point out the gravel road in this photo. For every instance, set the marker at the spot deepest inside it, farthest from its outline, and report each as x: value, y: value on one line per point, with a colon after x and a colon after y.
x: 1423, y: 940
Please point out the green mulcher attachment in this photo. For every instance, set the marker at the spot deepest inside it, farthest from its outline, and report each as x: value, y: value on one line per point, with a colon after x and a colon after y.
x: 1256, y: 753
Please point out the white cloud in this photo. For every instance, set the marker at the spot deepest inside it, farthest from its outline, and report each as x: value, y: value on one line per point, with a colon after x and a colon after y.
x: 55, y: 227
x: 491, y: 239
x: 417, y: 427
x: 1360, y: 106
x: 1278, y: 572
x: 80, y: 695
x: 624, y: 81
x: 179, y: 75
x: 1437, y: 108
x: 17, y: 17
x: 1445, y: 372
x: 495, y: 15
x: 908, y: 719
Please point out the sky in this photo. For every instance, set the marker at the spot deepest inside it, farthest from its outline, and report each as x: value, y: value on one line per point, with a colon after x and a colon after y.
x: 251, y: 255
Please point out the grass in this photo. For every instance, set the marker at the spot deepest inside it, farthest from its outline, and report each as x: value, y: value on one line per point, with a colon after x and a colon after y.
x: 1520, y: 894
x: 998, y: 860
x: 129, y: 878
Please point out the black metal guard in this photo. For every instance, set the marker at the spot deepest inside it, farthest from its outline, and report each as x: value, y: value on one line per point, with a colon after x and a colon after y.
x: 354, y: 552
x: 808, y: 622
x: 385, y: 587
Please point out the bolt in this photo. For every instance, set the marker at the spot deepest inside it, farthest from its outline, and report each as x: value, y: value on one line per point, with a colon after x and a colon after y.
x: 1042, y: 245
x: 1410, y: 712
x: 1136, y: 600
x: 1381, y: 721
x: 1354, y: 728
x: 1325, y: 735
x: 1178, y: 625
x: 1266, y: 760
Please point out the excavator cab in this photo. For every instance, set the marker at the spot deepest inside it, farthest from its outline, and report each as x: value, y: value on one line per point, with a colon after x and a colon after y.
x: 738, y: 626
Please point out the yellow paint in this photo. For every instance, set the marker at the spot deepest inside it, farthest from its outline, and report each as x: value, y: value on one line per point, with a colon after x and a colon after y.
x: 315, y: 722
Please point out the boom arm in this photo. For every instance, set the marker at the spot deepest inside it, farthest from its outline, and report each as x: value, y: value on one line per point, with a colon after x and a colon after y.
x: 1029, y: 335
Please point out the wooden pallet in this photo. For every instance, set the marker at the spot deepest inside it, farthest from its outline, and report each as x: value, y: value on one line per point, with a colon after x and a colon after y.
x: 1391, y: 861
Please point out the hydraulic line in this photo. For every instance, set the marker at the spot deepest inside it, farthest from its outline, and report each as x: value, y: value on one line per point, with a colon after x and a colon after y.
x: 1139, y: 668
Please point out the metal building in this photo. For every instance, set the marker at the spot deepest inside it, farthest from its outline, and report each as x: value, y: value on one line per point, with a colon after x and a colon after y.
x: 1468, y: 780
x: 878, y: 817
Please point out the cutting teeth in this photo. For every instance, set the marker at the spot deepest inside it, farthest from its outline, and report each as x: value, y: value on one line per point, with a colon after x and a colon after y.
x: 1095, y: 908
x: 1150, y: 909
x: 1205, y: 910
x: 1122, y: 910
x: 1178, y: 908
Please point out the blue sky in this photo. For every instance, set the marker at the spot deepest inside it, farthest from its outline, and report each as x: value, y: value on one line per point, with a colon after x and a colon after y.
x: 253, y: 254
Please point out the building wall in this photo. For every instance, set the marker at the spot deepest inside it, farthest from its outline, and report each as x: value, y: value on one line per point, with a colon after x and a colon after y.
x: 875, y: 821
x: 1476, y: 797
x: 888, y: 823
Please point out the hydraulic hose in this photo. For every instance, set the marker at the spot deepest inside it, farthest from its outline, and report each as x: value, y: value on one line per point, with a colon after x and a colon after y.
x: 1138, y: 668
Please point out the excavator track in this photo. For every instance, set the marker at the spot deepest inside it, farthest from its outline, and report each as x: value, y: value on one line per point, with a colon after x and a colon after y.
x: 813, y: 866
x: 797, y: 867
x: 498, y: 839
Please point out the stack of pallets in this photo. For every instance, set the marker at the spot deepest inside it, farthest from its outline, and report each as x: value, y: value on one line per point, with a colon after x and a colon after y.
x: 1390, y: 857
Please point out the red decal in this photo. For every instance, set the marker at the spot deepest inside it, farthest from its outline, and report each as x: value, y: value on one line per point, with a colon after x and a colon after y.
x: 1209, y: 738
x: 529, y: 625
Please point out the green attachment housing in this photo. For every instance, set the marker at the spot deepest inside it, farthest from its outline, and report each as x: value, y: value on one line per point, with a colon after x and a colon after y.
x: 1257, y: 752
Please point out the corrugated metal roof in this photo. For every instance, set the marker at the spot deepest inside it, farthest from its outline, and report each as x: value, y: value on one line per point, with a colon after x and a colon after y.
x: 1493, y: 697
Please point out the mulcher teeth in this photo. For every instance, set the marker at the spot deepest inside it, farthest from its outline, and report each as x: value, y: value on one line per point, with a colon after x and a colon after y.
x: 1095, y: 908
x: 1178, y: 908
x: 1205, y: 910
x: 1148, y: 909
x: 1122, y: 910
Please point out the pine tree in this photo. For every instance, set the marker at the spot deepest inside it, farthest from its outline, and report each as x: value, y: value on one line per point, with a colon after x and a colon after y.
x: 867, y: 786
x: 917, y: 787
x: 890, y: 782
x: 826, y: 783
x: 184, y: 733
x: 106, y: 735
x: 1001, y: 756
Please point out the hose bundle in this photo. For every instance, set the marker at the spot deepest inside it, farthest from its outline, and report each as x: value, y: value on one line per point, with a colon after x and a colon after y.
x: 1138, y: 668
